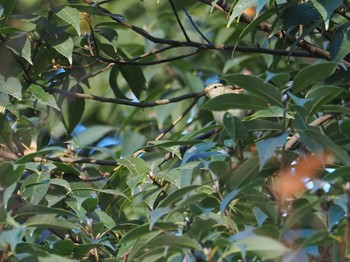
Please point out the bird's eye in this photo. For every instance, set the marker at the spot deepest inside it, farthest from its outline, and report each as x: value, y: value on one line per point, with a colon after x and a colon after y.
x: 215, y: 87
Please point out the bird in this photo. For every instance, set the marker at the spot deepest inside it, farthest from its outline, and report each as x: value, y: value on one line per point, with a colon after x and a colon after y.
x: 217, y: 89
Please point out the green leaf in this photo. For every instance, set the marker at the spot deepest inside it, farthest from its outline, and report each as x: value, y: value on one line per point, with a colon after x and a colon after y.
x: 72, y: 109
x: 301, y: 125
x: 10, y: 174
x: 264, y: 247
x: 7, y: 9
x: 92, y: 134
x: 81, y: 250
x: 245, y: 174
x: 28, y: 209
x: 21, y: 45
x: 311, y: 74
x: 279, y: 79
x: 228, y: 199
x: 136, y: 166
x: 267, y: 147
x: 35, y: 187
x: 239, y: 7
x: 107, y: 220
x: 6, y: 133
x: 62, y: 183
x: 292, y: 15
x: 299, y: 213
x: 113, y: 75
x: 272, y: 111
x: 143, y: 230
x: 65, y: 48
x: 326, y: 8
x: 36, y: 252
x: 71, y: 16
x: 320, y: 96
x: 177, y: 195
x: 329, y: 145
x: 133, y: 75
x: 12, y: 236
x: 257, y: 87
x: 173, y: 176
x: 345, y: 128
x: 173, y: 241
x: 259, y: 215
x: 43, y: 96
x: 50, y: 221
x: 230, y: 101
x: 234, y: 127
x: 251, y: 28
x: 27, y: 158
x: 131, y: 141
x: 340, y: 46
x: 156, y: 214
x: 63, y: 247
x: 11, y: 86
x: 336, y: 109
x: 260, y: 124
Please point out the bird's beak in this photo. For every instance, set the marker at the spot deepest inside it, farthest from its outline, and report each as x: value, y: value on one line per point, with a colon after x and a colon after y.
x: 239, y: 90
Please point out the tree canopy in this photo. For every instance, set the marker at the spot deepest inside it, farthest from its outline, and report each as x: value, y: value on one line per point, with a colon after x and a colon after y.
x: 109, y: 151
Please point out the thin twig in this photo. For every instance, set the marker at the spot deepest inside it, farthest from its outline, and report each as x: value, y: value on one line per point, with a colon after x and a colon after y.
x: 77, y: 160
x: 195, y: 26
x: 126, y: 102
x: 184, y: 113
x: 267, y: 28
x: 345, y: 238
x: 319, y: 121
x: 313, y: 51
x: 154, y: 52
x: 179, y: 21
x: 177, y: 120
x: 68, y: 160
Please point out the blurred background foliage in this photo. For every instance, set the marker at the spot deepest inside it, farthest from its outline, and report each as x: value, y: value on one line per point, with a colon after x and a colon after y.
x: 96, y: 165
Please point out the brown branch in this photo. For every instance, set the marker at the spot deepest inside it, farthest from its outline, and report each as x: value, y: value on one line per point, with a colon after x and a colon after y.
x: 201, y: 46
x: 7, y: 155
x: 266, y: 27
x: 126, y: 102
x: 76, y: 160
x: 319, y: 121
x: 153, y: 52
x: 67, y: 160
x: 177, y: 120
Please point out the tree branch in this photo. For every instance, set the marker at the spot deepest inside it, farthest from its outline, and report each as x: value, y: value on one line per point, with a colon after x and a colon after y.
x: 314, y: 52
x: 68, y: 160
x: 179, y: 21
x: 266, y: 27
x: 319, y: 121
x: 126, y: 102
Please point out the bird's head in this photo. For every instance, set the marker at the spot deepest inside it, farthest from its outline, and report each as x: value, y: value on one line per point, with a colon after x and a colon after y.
x: 216, y: 89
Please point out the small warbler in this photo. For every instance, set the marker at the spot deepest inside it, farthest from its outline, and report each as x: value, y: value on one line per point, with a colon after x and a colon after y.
x: 217, y: 89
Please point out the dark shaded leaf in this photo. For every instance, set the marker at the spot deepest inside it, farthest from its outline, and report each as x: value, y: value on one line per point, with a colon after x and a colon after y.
x: 310, y: 74
x: 230, y: 101
x: 72, y: 109
x: 133, y: 75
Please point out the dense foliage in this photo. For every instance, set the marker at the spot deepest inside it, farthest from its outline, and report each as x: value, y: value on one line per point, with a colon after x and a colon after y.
x: 109, y: 151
